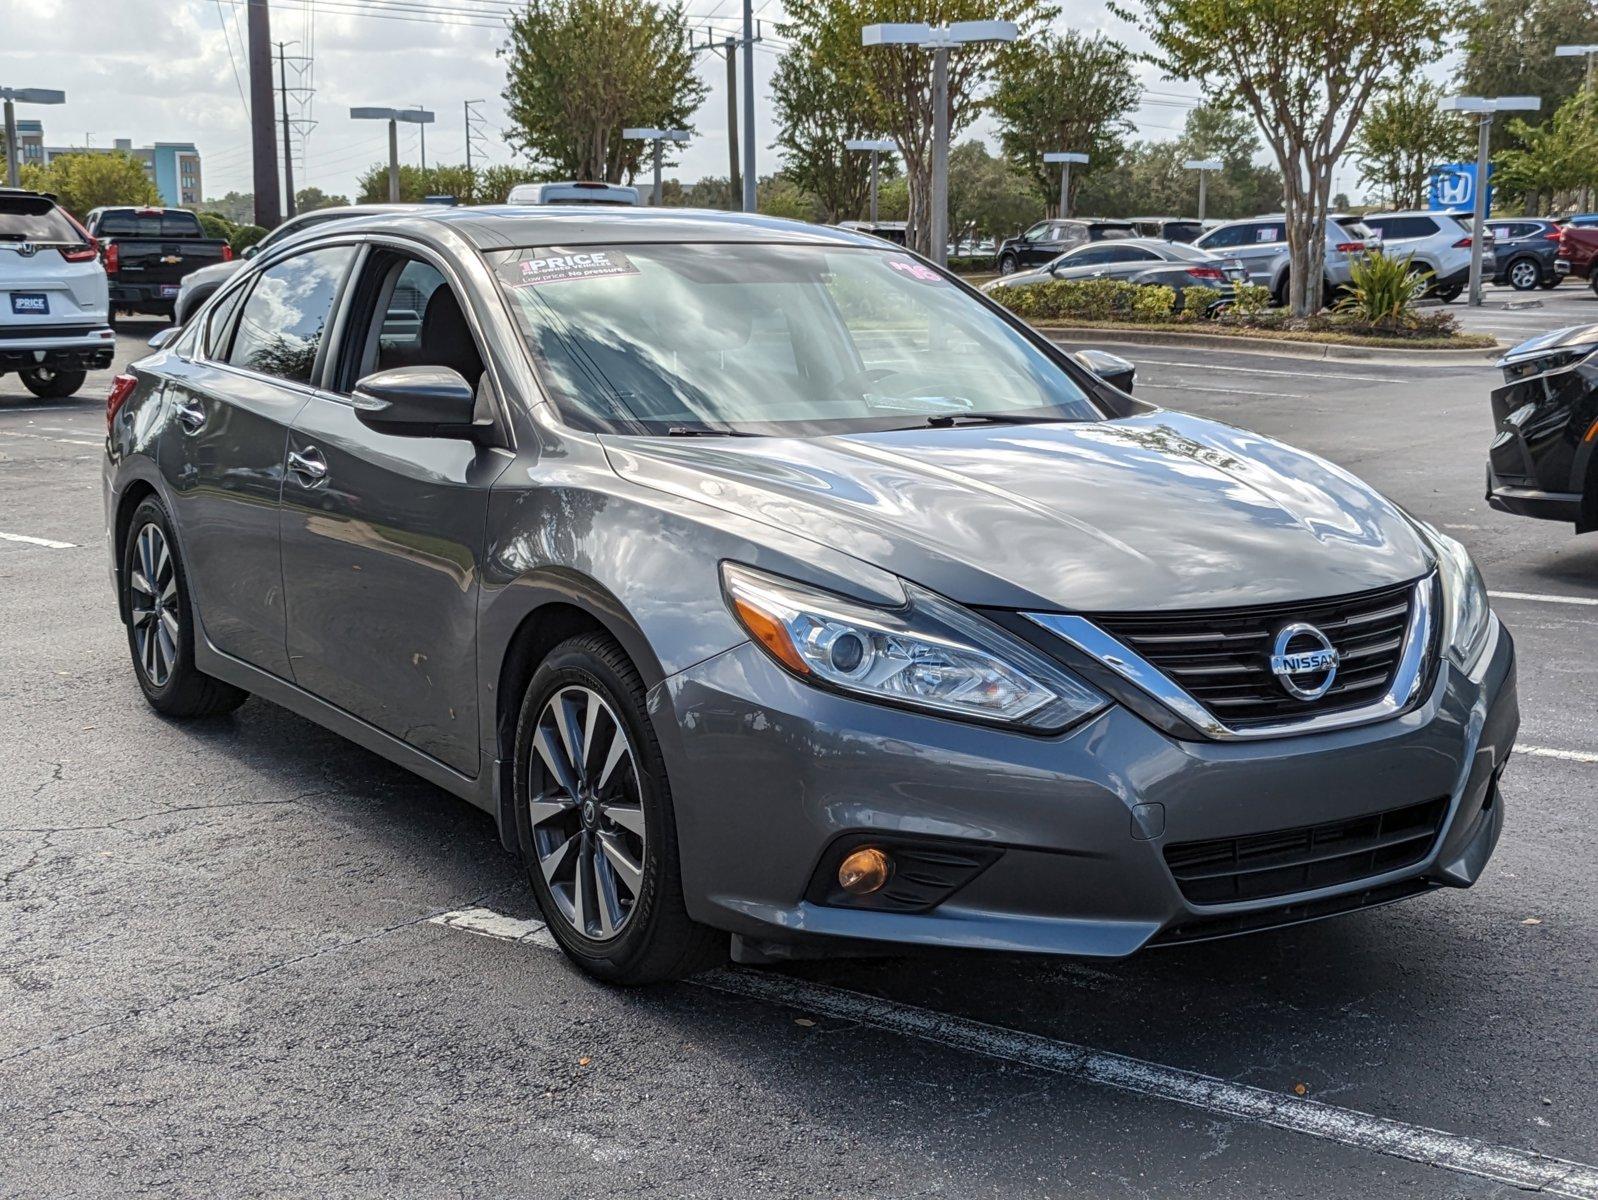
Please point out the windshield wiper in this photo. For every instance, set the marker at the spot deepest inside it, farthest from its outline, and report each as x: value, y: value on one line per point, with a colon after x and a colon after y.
x: 692, y: 431
x: 945, y: 420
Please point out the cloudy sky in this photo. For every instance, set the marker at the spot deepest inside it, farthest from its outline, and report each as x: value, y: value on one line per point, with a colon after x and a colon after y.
x: 170, y: 70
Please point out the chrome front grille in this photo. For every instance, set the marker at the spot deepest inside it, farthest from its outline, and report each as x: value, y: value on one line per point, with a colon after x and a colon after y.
x: 1222, y: 657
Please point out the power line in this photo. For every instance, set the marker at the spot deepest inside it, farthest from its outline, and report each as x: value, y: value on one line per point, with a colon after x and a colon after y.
x: 232, y: 62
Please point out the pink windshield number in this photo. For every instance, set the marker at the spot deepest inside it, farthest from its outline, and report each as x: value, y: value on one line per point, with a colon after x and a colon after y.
x: 915, y: 270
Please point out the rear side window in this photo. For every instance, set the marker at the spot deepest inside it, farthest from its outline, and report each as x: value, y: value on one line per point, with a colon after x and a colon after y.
x: 286, y: 316
x: 35, y: 219
x: 1394, y: 229
x: 132, y: 222
x: 1259, y: 235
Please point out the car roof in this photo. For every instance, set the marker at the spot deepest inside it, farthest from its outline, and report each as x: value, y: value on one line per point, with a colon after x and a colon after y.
x: 1416, y: 212
x: 503, y: 226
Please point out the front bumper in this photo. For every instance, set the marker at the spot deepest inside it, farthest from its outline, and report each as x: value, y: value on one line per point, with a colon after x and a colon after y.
x: 78, y: 349
x: 1530, y: 502
x: 768, y: 774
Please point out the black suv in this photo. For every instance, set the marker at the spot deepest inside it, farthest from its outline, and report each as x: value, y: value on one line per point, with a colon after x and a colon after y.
x: 1047, y: 240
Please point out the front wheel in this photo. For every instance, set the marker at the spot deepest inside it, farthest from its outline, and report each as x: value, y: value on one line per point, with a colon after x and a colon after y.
x: 1524, y: 275
x: 49, y: 384
x: 1008, y: 264
x: 1448, y: 294
x: 160, y: 616
x: 595, y: 820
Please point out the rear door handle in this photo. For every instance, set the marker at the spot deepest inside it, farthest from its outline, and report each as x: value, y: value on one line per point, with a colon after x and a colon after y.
x: 309, y: 466
x: 192, y: 414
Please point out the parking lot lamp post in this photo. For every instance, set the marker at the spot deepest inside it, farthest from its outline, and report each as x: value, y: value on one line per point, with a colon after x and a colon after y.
x: 1589, y: 51
x: 940, y: 40
x: 1484, y: 108
x: 659, y: 137
x: 876, y: 147
x: 1065, y: 159
x: 13, y: 97
x: 411, y: 116
x: 1203, y: 166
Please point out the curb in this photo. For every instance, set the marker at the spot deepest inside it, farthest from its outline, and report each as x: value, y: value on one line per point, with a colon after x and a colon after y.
x: 1283, y: 348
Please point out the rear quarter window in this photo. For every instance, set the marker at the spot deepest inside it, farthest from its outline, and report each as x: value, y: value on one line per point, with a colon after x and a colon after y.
x: 35, y: 219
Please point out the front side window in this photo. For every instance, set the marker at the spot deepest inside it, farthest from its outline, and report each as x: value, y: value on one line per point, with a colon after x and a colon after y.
x: 1228, y: 235
x: 771, y: 339
x: 1037, y: 233
x: 286, y: 316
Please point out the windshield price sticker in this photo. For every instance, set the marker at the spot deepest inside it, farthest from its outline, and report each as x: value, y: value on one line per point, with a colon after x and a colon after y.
x: 553, y: 268
x: 915, y: 270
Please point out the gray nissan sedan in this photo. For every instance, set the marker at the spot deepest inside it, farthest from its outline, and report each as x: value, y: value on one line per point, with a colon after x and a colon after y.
x: 763, y: 580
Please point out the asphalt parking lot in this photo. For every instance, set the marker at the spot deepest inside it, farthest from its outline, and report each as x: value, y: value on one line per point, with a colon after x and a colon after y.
x: 247, y: 958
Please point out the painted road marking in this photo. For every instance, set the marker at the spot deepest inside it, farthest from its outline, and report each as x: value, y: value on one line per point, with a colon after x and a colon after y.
x: 37, y: 541
x: 39, y: 437
x: 1544, y: 598
x: 1349, y: 1127
x: 1581, y: 756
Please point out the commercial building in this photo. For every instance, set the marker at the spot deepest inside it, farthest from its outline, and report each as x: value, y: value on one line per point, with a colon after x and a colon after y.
x: 174, y: 166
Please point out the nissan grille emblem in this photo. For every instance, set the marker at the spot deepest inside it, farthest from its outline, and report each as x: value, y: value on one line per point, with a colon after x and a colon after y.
x: 1304, y: 661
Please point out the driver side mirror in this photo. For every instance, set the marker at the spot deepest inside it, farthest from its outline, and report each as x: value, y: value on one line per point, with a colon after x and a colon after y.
x: 250, y: 251
x: 165, y: 337
x: 1112, y: 368
x: 419, y: 402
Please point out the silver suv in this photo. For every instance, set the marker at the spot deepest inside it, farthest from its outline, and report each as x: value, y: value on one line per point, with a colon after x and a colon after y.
x: 1439, y: 242
x: 1261, y: 244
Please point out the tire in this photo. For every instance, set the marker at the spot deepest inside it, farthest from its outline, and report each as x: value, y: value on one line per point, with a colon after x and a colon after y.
x: 1524, y: 275
x: 1592, y: 281
x: 163, y: 663
x: 594, y: 830
x: 1552, y: 280
x: 1448, y: 294
x: 1008, y: 264
x: 49, y: 384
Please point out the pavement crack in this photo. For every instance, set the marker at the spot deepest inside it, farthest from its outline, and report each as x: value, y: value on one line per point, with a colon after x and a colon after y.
x: 163, y: 812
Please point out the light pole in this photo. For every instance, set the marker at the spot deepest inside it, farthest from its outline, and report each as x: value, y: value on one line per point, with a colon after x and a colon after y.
x: 659, y: 137
x: 1483, y: 109
x: 411, y: 116
x: 13, y: 97
x: 940, y: 40
x: 1589, y: 51
x: 875, y: 146
x: 1203, y: 166
x: 1065, y: 158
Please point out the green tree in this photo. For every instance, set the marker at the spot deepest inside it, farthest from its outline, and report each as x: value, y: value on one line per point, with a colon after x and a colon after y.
x: 819, y: 107
x: 1305, y: 71
x: 1509, y: 51
x: 1069, y: 92
x: 1558, y: 155
x: 579, y: 71
x: 898, y: 79
x: 988, y: 197
x: 89, y: 180
x: 1404, y: 134
x: 235, y: 207
x: 214, y: 225
x: 309, y: 199
x: 494, y: 183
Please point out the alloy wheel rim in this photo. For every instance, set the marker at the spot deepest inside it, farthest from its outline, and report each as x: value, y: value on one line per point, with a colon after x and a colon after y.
x: 1524, y: 274
x: 587, y: 814
x: 153, y: 605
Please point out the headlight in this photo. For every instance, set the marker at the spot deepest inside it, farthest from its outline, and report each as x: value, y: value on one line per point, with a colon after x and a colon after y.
x: 1466, y: 615
x: 930, y: 654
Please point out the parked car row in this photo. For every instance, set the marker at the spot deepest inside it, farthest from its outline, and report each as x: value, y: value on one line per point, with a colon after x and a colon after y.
x: 1139, y: 260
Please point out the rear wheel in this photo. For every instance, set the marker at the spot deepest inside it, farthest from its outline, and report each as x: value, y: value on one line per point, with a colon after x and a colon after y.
x: 1524, y: 275
x: 161, y: 623
x: 1449, y: 293
x: 1551, y: 281
x: 595, y: 820
x: 51, y: 384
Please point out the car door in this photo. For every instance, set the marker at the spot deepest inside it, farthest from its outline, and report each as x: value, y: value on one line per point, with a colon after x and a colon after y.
x: 1055, y: 240
x: 1260, y: 244
x: 383, y: 535
x: 231, y: 405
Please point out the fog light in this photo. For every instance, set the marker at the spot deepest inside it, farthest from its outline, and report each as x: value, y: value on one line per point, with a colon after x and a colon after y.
x: 864, y: 871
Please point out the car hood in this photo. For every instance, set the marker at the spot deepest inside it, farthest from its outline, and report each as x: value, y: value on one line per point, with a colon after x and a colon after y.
x: 1158, y: 511
x: 214, y: 273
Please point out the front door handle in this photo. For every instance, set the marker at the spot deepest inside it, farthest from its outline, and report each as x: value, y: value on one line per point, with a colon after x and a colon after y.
x: 309, y: 465
x: 192, y: 414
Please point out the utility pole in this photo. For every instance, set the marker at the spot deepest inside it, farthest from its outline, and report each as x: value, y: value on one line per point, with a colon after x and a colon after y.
x: 268, y: 213
x: 734, y: 183
x: 474, y: 136
x: 749, y: 173
x: 288, y: 152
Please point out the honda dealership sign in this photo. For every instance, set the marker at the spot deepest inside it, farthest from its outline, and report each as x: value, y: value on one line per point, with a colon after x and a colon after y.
x: 1454, y: 187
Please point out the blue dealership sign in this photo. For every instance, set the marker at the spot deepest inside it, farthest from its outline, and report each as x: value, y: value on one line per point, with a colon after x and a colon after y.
x: 1454, y: 187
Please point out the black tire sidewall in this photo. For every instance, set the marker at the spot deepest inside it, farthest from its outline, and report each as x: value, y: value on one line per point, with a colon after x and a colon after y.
x: 152, y: 512
x: 59, y: 387
x: 576, y: 663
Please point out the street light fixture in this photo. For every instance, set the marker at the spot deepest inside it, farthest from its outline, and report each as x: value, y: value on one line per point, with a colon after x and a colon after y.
x: 659, y: 137
x: 411, y: 116
x: 1483, y: 108
x: 1065, y: 159
x: 876, y: 146
x: 940, y: 40
x: 13, y: 97
x: 1203, y: 166
x: 1589, y: 51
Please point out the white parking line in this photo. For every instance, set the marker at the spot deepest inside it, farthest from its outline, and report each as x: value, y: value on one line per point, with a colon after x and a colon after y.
x: 36, y: 541
x: 39, y: 437
x: 1581, y: 756
x: 1544, y: 598
x: 1349, y: 1127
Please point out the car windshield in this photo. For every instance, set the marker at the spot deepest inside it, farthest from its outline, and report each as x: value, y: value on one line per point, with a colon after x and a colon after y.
x: 772, y: 339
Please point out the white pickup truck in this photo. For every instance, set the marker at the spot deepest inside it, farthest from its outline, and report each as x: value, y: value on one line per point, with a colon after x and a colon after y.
x: 54, y: 326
